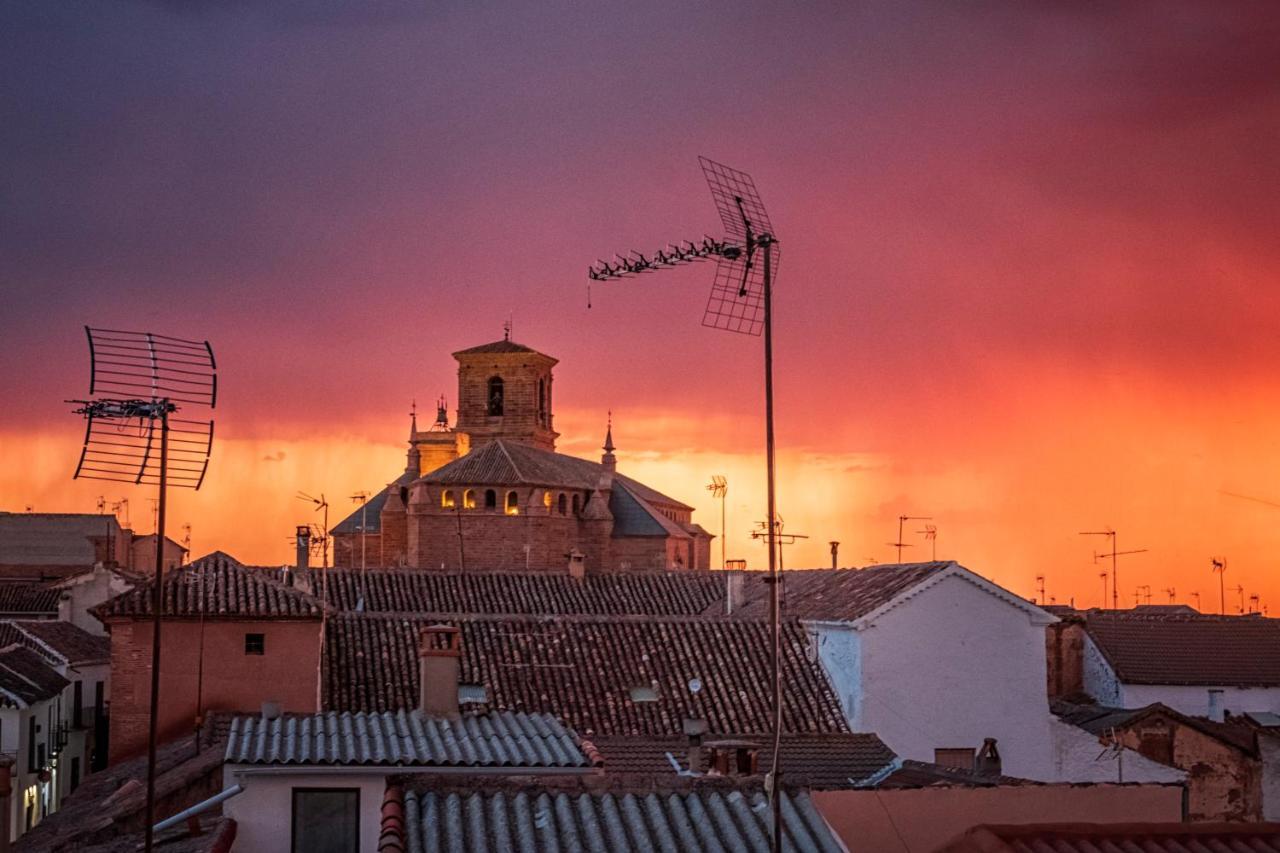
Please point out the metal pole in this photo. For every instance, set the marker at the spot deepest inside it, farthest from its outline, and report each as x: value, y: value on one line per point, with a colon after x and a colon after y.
x: 1115, y: 567
x: 157, y: 601
x: 775, y: 603
x: 901, y: 519
x: 723, y: 497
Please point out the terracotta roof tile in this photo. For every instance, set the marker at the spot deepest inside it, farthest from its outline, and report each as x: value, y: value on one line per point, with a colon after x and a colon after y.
x: 26, y: 678
x: 1189, y: 648
x: 217, y: 588
x: 58, y: 642
x: 814, y: 760
x: 583, y: 669
x: 503, y: 346
x: 1147, y: 838
x: 28, y: 599
x: 416, y: 591
x: 835, y: 594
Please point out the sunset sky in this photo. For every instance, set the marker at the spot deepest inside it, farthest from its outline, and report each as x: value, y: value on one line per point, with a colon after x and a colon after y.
x: 1031, y: 257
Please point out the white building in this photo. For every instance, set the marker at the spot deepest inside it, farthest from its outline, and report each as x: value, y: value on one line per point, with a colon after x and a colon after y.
x: 1198, y: 664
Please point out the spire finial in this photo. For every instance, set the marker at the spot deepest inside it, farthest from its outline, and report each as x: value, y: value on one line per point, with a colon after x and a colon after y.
x: 413, y: 418
x: 608, y: 434
x: 506, y: 330
x: 442, y: 412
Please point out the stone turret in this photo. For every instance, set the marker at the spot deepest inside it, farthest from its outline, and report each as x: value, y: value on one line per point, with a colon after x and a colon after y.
x: 608, y: 460
x: 504, y: 391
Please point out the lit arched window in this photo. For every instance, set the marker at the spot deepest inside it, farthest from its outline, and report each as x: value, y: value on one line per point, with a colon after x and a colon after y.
x: 576, y: 504
x: 490, y: 499
x: 561, y: 503
x: 469, y: 499
x: 513, y: 504
x: 546, y: 499
x: 495, y: 396
x: 446, y: 499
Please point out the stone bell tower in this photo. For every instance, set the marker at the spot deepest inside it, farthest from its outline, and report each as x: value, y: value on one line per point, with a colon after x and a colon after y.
x: 504, y: 391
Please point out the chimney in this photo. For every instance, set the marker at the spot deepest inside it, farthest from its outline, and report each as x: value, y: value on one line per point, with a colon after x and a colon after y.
x: 735, y: 584
x: 304, y: 546
x: 270, y: 710
x: 695, y: 729
x: 577, y: 564
x: 441, y: 659
x: 1217, y: 713
x: 835, y: 555
x: 987, y: 761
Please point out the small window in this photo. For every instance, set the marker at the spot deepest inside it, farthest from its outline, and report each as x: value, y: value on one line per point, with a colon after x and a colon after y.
x: 495, y: 397
x: 490, y: 499
x: 959, y: 758
x: 255, y: 644
x: 560, y: 503
x: 546, y: 499
x: 469, y: 499
x: 326, y: 820
x: 513, y: 504
x: 446, y: 499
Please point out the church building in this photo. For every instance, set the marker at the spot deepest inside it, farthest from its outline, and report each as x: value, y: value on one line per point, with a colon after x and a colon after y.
x: 492, y: 494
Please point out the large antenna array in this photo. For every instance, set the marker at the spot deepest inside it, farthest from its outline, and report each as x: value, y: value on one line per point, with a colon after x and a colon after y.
x: 136, y: 382
x: 741, y: 301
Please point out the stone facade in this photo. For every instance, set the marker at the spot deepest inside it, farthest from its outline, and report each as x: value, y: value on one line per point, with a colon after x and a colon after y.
x: 504, y: 391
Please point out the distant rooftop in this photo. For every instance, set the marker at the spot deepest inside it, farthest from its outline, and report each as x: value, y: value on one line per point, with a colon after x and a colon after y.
x: 1139, y: 838
x: 1180, y: 648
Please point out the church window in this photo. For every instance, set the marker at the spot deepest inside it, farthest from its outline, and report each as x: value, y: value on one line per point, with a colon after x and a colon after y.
x: 495, y: 396
x: 561, y: 503
x: 513, y: 504
x: 447, y: 499
x: 490, y: 499
x: 546, y: 499
x: 576, y: 504
x: 469, y: 499
x: 542, y: 402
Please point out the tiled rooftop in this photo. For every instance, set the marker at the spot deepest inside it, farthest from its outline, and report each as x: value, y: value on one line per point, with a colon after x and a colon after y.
x: 835, y: 760
x: 541, y: 820
x: 1121, y: 838
x: 29, y: 599
x: 1189, y: 648
x: 416, y: 591
x: 59, y: 642
x: 1100, y: 719
x: 583, y: 669
x: 26, y: 678
x: 408, y: 739
x: 216, y: 587
x: 835, y: 594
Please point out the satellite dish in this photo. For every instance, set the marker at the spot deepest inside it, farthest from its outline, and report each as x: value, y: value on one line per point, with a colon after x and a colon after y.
x: 695, y: 685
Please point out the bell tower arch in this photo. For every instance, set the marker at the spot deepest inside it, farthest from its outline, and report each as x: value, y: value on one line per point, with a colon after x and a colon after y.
x: 504, y: 391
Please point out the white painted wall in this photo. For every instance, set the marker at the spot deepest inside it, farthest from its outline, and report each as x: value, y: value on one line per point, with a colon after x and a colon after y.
x: 26, y: 786
x: 1081, y: 757
x: 952, y: 665
x: 1193, y: 700
x: 264, y: 811
x: 1100, y: 680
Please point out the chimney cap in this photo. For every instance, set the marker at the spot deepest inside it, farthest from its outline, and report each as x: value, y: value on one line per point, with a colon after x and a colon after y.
x: 441, y: 641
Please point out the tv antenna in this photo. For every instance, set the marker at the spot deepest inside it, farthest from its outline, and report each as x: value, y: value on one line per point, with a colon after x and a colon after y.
x: 322, y: 505
x: 1255, y: 603
x: 362, y: 498
x: 719, y: 488
x: 1196, y: 596
x: 1040, y: 588
x: 1113, y: 554
x: 138, y: 381
x: 1220, y: 566
x: 1172, y: 592
x: 1143, y: 593
x: 741, y: 301
x: 930, y: 534
x: 779, y: 537
x: 1240, y: 591
x: 186, y: 539
x: 905, y: 518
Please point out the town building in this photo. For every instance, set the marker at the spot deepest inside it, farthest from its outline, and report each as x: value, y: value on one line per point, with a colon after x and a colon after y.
x: 47, y: 546
x: 232, y: 638
x: 492, y: 494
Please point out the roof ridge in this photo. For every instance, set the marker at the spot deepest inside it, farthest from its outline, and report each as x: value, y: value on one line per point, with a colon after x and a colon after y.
x: 502, y: 445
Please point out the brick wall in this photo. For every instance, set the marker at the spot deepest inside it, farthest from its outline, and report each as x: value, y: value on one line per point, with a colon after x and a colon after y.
x: 1064, y: 653
x: 346, y: 549
x: 287, y: 672
x: 522, y: 418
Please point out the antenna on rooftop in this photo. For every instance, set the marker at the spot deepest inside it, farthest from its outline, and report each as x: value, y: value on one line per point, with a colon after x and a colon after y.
x: 741, y: 301
x: 1196, y: 596
x: 1220, y: 566
x: 137, y: 381
x: 322, y: 505
x: 1142, y: 593
x: 719, y: 488
x: 186, y: 539
x: 1172, y: 593
x: 901, y: 519
x: 1113, y: 554
x: 1240, y: 590
x: 362, y: 498
x: 930, y: 534
x: 1040, y: 588
x: 1255, y: 602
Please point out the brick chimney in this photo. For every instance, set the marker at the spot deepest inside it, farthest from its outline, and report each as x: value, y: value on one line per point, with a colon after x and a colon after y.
x: 577, y: 564
x: 735, y: 585
x: 303, y: 558
x: 694, y: 729
x: 440, y: 653
x: 987, y: 761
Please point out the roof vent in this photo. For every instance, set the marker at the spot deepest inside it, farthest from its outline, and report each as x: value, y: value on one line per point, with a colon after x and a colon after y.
x: 643, y: 693
x: 270, y: 710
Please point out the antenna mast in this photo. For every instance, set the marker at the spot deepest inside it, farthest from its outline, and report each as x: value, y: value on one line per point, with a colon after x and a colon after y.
x: 719, y: 488
x: 901, y: 519
x: 741, y: 301
x: 137, y: 381
x: 1220, y: 566
x: 1113, y: 554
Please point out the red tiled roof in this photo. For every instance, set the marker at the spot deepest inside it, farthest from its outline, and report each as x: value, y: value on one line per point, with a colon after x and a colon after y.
x: 26, y: 678
x: 28, y: 599
x: 835, y: 594
x: 217, y: 588
x: 1189, y: 649
x: 1130, y: 838
x: 498, y: 347
x: 583, y: 669
x: 57, y: 641
x: 814, y: 760
x: 416, y: 591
